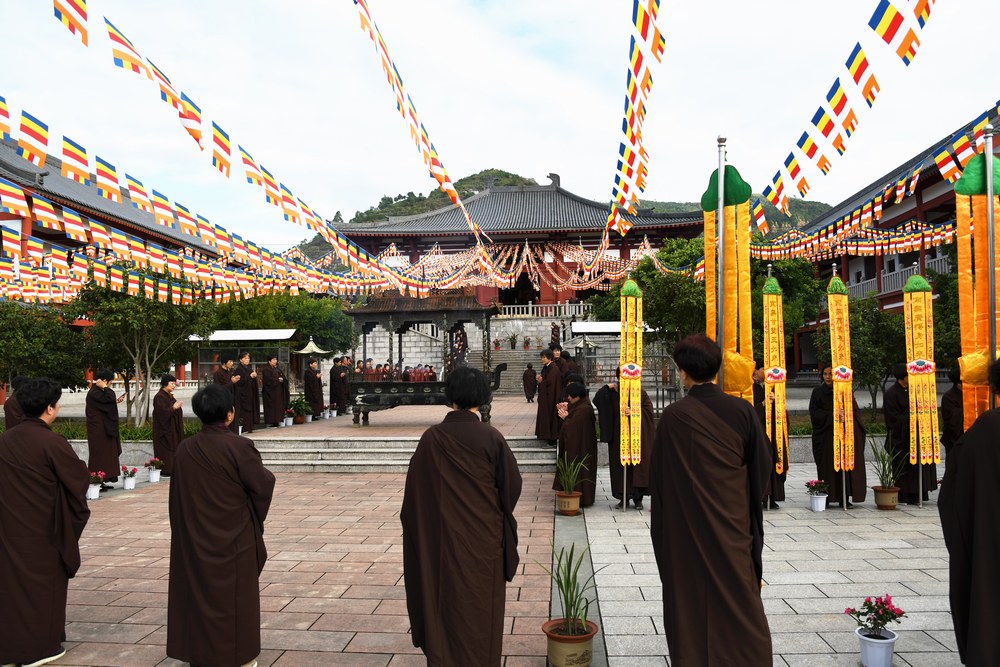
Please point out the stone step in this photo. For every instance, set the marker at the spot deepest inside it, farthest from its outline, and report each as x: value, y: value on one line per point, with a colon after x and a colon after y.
x: 375, y: 465
x: 546, y: 455
x: 380, y: 443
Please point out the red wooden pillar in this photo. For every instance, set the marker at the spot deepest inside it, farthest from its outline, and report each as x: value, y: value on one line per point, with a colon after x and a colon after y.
x: 181, y: 374
x: 25, y: 233
x: 844, y: 268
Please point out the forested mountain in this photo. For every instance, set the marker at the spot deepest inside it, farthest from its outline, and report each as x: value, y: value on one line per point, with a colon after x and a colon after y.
x: 802, y: 211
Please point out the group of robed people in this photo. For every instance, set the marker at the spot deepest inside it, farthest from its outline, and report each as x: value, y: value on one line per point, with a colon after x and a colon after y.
x: 219, y: 497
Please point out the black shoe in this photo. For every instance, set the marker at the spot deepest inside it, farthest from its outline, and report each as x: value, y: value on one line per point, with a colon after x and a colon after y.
x: 44, y: 661
x: 106, y: 487
x: 620, y: 505
x: 774, y: 505
x: 638, y: 505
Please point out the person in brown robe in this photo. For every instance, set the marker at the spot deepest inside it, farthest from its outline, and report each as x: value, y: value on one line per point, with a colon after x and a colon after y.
x: 557, y: 358
x: 274, y: 390
x: 550, y: 389
x: 104, y: 444
x: 43, y: 511
x: 530, y: 382
x: 821, y: 416
x: 226, y: 377
x: 247, y: 394
x: 336, y: 375
x: 578, y: 442
x: 967, y: 506
x: 710, y: 464
x: 896, y: 412
x: 775, y: 489
x: 168, y: 423
x: 952, y: 413
x: 555, y: 338
x: 459, y: 532
x: 313, y: 382
x: 636, y: 477
x: 12, y: 412
x: 219, y: 498
x: 346, y: 372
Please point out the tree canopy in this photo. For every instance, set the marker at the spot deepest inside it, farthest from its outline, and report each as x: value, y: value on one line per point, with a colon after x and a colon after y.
x: 36, y: 341
x: 321, y: 318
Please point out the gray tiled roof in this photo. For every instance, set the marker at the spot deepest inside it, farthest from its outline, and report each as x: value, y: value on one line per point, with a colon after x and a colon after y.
x: 84, y: 198
x: 517, y: 210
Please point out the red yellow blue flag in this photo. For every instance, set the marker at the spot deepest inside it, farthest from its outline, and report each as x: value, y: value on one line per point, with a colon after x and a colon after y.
x: 254, y: 177
x: 75, y: 163
x: 137, y: 194
x: 759, y: 218
x: 821, y: 119
x: 162, y: 210
x: 837, y: 98
x: 73, y: 225
x: 922, y: 11
x: 908, y: 46
x: 807, y: 145
x: 850, y: 122
x: 73, y: 15
x: 886, y: 21
x: 124, y: 53
x: 870, y: 90
x: 45, y: 213
x: 857, y: 63
x: 107, y: 180
x: 946, y: 165
x: 271, y: 193
x: 167, y: 91
x: 185, y: 220
x: 34, y: 139
x: 4, y: 120
x: 792, y: 165
x: 190, y: 116
x: 12, y: 199
x: 221, y: 150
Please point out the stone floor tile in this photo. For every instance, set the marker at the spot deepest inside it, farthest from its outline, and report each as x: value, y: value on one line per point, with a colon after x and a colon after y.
x: 107, y: 632
x: 381, y: 642
x: 930, y: 659
x: 324, y: 658
x: 637, y: 661
x: 627, y: 625
x: 636, y: 645
x: 108, y: 654
x: 798, y: 642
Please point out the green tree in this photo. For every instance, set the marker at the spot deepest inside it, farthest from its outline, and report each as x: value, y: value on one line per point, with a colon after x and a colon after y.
x: 37, y: 341
x: 322, y: 318
x: 146, y: 333
x: 800, y: 302
x: 878, y: 341
x: 947, y: 331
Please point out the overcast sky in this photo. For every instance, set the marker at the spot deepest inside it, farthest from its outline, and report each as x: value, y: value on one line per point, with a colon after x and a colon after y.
x: 528, y: 86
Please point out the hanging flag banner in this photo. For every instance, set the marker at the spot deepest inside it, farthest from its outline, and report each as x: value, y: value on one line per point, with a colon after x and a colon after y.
x: 124, y: 53
x: 75, y: 163
x: 34, y: 139
x: 73, y: 15
x: 221, y: 151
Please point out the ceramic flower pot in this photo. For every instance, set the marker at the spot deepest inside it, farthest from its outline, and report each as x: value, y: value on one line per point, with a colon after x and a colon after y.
x: 886, y: 497
x: 569, y: 650
x: 817, y: 502
x: 299, y: 419
x: 309, y: 418
x: 568, y: 503
x: 128, y: 483
x: 282, y: 423
x: 289, y: 421
x: 154, y: 476
x: 876, y: 651
x: 93, y: 492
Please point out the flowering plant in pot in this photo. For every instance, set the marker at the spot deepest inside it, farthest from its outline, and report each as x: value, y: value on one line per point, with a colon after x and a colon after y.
x: 527, y: 342
x: 512, y: 338
x: 96, y: 480
x: 154, y: 465
x: 568, y: 475
x: 299, y: 407
x: 128, y: 477
x: 877, y: 641
x: 496, y: 343
x: 571, y: 637
x: 817, y: 490
x: 888, y: 469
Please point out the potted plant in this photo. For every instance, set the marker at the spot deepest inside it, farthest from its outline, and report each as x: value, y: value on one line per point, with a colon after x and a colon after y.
x: 496, y: 343
x: 817, y: 490
x: 299, y: 407
x: 513, y: 340
x: 289, y: 416
x: 527, y: 342
x: 568, y: 474
x: 877, y: 641
x: 888, y: 471
x: 128, y: 477
x: 154, y: 465
x: 570, y: 638
x: 96, y: 479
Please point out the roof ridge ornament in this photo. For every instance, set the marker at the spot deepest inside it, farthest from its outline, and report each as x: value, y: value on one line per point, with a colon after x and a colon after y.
x: 554, y: 180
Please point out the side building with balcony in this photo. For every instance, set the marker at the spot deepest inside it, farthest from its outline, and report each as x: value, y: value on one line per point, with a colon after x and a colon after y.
x: 930, y: 200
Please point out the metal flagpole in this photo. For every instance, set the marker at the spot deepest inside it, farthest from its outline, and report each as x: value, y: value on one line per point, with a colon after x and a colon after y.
x: 991, y: 276
x: 720, y: 263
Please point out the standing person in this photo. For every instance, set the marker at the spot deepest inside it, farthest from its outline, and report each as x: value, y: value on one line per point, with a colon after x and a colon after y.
x: 43, y: 511
x: 555, y: 338
x: 558, y: 359
x: 226, y: 377
x: 896, y: 412
x: 550, y: 388
x: 336, y: 376
x: 314, y: 388
x: 459, y: 532
x: 636, y: 477
x: 12, y: 412
x: 461, y: 346
x: 274, y: 390
x: 952, y: 413
x: 570, y: 362
x: 345, y: 373
x: 821, y: 416
x: 168, y: 423
x: 247, y: 395
x: 104, y: 444
x: 578, y: 441
x: 219, y: 498
x: 710, y: 463
x: 530, y: 382
x: 775, y: 489
x: 430, y: 374
x: 972, y: 535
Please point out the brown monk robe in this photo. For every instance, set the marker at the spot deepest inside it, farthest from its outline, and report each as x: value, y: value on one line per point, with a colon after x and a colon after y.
x: 313, y: 388
x: 550, y: 389
x: 775, y: 488
x: 896, y: 411
x: 223, y: 376
x: 969, y: 521
x: 577, y: 440
x: 710, y: 463
x: 609, y: 417
x: 43, y: 511
x: 530, y: 383
x: 219, y: 497
x: 247, y: 395
x: 168, y: 428
x: 12, y: 412
x: 821, y: 416
x: 460, y: 536
x: 104, y: 444
x: 274, y: 390
x: 952, y: 414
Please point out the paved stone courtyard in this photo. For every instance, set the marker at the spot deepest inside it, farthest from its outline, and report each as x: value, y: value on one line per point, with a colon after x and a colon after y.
x: 332, y: 591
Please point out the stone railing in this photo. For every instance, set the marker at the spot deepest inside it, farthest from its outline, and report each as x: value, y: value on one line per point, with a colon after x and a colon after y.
x: 893, y: 282
x: 547, y: 310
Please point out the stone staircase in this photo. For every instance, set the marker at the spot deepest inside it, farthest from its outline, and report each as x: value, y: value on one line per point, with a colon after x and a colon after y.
x: 377, y: 454
x: 516, y: 360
